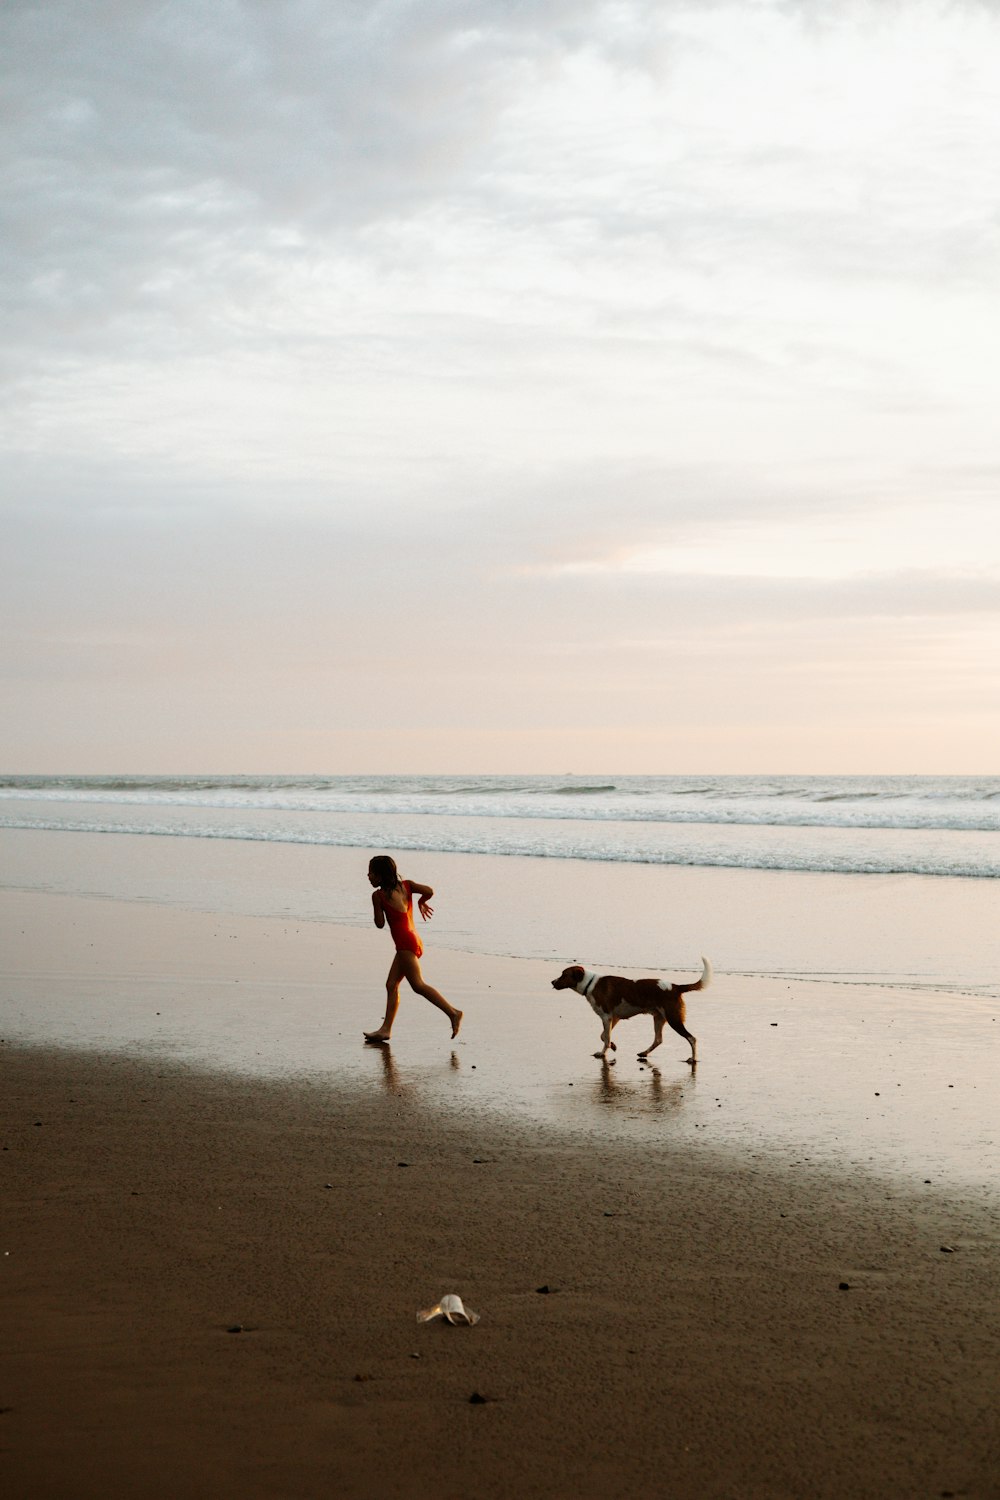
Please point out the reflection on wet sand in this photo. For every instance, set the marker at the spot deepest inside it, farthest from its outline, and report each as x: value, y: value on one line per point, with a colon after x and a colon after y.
x: 390, y: 1073
x: 654, y: 1096
x: 390, y: 1077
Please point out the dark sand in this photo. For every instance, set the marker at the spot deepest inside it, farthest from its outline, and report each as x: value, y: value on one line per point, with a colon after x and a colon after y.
x: 694, y: 1342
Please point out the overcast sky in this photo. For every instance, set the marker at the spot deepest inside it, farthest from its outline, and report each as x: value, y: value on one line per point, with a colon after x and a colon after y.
x: 500, y: 385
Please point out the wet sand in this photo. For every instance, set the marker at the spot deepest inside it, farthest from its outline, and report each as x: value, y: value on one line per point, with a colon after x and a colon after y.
x: 216, y: 1150
x: 855, y: 1076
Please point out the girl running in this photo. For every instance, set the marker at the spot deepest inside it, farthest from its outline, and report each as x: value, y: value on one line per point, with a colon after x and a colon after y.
x: 392, y: 902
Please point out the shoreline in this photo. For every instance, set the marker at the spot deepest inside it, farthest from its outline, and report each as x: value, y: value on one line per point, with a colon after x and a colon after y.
x: 695, y: 1334
x: 903, y: 930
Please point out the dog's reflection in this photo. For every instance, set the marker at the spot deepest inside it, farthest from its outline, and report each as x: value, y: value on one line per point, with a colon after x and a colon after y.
x: 651, y: 1093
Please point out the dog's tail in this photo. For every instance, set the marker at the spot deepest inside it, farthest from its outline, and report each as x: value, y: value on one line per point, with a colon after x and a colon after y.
x: 699, y: 984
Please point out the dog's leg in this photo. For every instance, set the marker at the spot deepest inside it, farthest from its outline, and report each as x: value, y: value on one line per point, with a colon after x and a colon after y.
x: 606, y: 1038
x: 657, y: 1036
x: 677, y: 1024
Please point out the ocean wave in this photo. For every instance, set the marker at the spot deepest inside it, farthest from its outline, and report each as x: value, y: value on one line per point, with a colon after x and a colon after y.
x: 854, y: 796
x: 898, y: 815
x: 577, y: 791
x: 968, y: 804
x: 978, y: 861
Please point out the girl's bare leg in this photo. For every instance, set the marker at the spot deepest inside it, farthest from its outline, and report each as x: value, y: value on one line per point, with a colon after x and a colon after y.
x: 411, y: 970
x: 395, y: 974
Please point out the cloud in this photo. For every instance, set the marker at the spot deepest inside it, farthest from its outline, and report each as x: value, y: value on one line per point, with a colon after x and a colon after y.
x: 177, y: 174
x: 160, y: 152
x: 565, y: 331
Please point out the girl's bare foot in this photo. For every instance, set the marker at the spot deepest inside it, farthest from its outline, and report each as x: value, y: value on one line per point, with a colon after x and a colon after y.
x: 378, y: 1038
x: 456, y: 1022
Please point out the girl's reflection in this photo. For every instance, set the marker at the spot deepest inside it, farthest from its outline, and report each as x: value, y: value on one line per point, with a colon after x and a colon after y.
x: 390, y: 1075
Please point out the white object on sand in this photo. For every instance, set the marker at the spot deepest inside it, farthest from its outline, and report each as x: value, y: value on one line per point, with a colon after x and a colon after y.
x: 451, y: 1308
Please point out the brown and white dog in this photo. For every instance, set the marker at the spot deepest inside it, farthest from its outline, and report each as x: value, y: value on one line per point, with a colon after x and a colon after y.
x: 616, y: 999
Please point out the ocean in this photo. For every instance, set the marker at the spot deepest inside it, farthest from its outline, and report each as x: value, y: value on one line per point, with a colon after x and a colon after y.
x: 918, y: 825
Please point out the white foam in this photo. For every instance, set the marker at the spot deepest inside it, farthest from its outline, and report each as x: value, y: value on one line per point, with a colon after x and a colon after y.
x: 882, y: 825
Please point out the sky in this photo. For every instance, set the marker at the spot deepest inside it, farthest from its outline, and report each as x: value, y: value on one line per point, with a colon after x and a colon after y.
x: 500, y: 385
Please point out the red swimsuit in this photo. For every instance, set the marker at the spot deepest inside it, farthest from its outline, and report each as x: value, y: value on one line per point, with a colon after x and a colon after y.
x: 401, y: 923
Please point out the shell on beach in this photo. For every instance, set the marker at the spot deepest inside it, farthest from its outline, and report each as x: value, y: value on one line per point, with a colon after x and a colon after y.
x: 451, y: 1308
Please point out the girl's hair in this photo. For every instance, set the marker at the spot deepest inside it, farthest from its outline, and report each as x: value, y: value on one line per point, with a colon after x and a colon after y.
x: 383, y: 867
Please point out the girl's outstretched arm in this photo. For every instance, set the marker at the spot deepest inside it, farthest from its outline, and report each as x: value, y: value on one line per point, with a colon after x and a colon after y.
x: 425, y: 892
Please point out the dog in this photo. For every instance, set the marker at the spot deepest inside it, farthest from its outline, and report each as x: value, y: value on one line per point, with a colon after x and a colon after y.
x: 616, y: 999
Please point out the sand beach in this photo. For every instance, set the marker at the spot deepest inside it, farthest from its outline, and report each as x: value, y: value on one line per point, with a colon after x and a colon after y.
x: 222, y: 1213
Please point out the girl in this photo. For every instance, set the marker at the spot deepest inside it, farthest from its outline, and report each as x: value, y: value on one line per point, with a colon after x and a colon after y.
x: 392, y: 902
